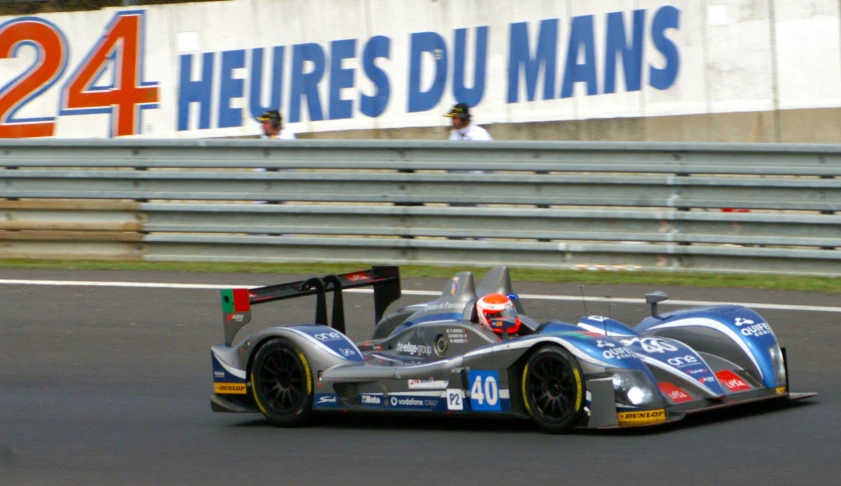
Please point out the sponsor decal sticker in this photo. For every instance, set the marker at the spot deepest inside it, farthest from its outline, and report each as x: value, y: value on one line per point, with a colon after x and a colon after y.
x: 780, y: 390
x: 328, y: 336
x: 444, y: 305
x: 414, y: 349
x: 428, y: 384
x: 675, y: 393
x: 370, y: 400
x: 683, y: 361
x: 732, y: 381
x: 332, y: 399
x: 407, y: 402
x: 358, y: 277
x: 618, y: 353
x: 641, y: 417
x: 750, y: 328
x: 229, y: 388
x: 218, y: 374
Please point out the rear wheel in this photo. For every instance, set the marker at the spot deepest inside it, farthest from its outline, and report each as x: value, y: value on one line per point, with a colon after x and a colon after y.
x: 281, y: 382
x: 553, y: 389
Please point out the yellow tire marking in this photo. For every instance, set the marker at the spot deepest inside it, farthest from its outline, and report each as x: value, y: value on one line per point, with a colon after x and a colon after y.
x: 579, y: 392
x: 257, y: 398
x: 523, y: 381
x: 307, y: 368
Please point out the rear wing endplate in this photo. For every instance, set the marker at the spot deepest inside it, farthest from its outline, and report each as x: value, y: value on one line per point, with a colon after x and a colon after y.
x: 236, y: 303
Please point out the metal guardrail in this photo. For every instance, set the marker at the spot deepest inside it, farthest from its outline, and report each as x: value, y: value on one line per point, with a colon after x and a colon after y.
x: 552, y: 205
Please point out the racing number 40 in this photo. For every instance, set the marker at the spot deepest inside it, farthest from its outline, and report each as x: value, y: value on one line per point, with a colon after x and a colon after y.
x: 121, y: 45
x: 484, y: 390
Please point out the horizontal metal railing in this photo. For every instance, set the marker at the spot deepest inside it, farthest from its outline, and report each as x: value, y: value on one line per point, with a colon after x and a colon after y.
x: 715, y: 207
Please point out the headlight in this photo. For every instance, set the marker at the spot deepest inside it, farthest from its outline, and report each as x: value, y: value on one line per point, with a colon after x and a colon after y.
x: 633, y: 387
x: 778, y: 364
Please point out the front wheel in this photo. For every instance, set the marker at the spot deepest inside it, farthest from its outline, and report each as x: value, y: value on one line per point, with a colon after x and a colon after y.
x: 281, y: 382
x: 553, y: 389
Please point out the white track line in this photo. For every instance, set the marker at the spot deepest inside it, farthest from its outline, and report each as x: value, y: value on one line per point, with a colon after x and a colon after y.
x: 623, y: 300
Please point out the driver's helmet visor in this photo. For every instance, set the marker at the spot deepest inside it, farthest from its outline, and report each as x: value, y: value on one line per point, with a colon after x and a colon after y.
x: 502, y: 319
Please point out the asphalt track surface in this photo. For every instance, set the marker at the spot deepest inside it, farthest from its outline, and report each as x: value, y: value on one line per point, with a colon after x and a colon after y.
x: 109, y: 385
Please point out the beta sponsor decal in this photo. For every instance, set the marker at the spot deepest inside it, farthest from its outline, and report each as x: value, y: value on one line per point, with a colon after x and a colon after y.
x: 674, y: 393
x: 414, y: 349
x: 428, y: 384
x: 229, y: 388
x: 641, y: 417
x: 369, y: 400
x: 732, y: 381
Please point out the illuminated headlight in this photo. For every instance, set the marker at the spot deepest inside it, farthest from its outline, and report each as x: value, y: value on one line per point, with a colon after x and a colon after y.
x: 633, y: 387
x: 778, y: 364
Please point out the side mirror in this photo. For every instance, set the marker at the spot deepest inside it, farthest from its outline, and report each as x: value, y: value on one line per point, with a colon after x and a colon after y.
x: 652, y: 298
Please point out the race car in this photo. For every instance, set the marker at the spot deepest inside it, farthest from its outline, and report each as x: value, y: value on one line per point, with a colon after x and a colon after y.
x: 437, y: 357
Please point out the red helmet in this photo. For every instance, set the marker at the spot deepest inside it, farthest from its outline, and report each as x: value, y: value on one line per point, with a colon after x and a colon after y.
x: 496, y: 311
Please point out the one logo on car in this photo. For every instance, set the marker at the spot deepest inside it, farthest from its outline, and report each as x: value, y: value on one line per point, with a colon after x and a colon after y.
x: 328, y: 336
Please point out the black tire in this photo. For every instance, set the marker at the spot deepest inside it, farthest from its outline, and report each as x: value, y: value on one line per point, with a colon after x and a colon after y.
x: 281, y: 383
x: 553, y: 389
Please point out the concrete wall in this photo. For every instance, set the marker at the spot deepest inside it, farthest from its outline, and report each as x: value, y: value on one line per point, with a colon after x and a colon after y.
x: 786, y: 126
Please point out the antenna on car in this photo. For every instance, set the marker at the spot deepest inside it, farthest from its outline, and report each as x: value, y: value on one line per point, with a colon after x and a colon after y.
x: 583, y: 301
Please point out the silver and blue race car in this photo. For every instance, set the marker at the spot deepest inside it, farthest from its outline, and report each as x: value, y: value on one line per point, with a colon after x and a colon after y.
x: 596, y: 373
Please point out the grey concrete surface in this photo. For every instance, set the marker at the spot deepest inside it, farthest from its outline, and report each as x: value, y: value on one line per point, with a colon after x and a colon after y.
x: 105, y: 385
x: 819, y: 125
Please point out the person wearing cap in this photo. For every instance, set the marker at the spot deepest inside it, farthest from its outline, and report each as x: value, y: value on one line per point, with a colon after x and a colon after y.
x: 273, y: 129
x: 273, y: 126
x: 463, y: 127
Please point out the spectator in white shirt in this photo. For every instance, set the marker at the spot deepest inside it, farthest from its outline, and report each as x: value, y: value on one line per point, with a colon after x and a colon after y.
x: 463, y: 128
x: 273, y: 129
x: 273, y: 126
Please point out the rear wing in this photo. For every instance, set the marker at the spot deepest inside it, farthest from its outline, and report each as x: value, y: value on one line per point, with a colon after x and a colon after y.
x: 236, y: 303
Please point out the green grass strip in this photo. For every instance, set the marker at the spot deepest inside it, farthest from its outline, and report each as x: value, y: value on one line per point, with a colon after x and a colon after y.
x: 700, y: 279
